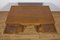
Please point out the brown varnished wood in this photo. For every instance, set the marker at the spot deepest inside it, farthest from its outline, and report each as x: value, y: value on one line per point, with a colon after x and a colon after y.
x: 30, y: 14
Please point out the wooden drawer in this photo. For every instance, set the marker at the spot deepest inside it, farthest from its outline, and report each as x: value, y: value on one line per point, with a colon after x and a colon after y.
x: 45, y: 28
x: 14, y: 28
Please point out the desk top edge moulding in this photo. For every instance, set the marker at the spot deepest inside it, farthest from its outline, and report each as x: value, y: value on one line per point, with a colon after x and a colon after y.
x: 21, y: 16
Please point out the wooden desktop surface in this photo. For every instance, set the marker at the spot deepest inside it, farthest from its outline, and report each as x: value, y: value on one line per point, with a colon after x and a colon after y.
x: 30, y: 14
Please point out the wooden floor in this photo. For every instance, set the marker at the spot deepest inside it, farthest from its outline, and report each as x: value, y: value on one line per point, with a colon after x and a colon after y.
x: 30, y: 35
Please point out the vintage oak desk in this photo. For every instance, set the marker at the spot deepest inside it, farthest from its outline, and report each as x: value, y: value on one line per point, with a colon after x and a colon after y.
x: 21, y: 16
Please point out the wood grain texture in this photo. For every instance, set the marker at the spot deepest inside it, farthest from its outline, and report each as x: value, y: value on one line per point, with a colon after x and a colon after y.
x: 30, y: 14
x: 40, y: 36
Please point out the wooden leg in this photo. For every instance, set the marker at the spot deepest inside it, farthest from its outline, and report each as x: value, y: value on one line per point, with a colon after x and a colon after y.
x: 37, y: 27
x: 20, y: 28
